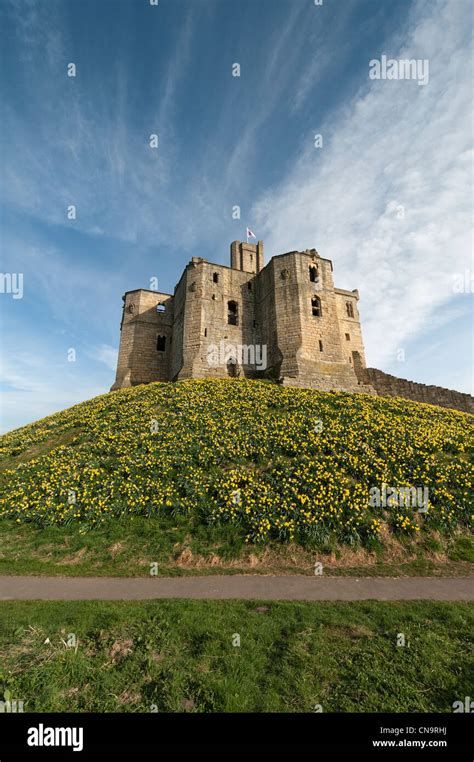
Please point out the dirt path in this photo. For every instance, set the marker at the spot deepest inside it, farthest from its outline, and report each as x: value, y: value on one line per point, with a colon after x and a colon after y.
x: 238, y: 586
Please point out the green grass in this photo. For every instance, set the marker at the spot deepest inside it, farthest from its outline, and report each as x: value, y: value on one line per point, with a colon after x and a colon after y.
x: 269, y: 463
x: 174, y: 656
x: 127, y: 545
x: 463, y: 550
x: 211, y: 476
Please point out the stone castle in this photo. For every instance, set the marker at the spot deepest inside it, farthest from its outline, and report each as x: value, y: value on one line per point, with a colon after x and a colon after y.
x: 284, y: 321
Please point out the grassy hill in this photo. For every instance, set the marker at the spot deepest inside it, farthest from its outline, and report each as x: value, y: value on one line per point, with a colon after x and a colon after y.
x: 229, y: 476
x: 235, y: 464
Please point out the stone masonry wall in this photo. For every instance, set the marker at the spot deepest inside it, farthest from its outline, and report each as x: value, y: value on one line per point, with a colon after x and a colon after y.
x: 265, y: 317
x: 139, y: 360
x: 310, y: 345
x: 323, y: 328
x: 349, y: 326
x: 391, y: 386
x: 206, y: 316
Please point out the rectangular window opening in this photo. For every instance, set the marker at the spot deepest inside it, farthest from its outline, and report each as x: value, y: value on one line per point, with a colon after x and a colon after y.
x: 232, y: 313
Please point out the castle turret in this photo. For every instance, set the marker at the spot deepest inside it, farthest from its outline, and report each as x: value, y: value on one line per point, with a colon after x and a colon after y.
x: 247, y: 257
x: 146, y: 333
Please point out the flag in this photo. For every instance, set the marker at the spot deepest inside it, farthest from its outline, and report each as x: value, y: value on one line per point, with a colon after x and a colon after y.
x: 250, y: 234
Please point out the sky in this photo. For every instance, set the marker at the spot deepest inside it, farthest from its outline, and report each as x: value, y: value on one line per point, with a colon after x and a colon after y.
x: 385, y: 192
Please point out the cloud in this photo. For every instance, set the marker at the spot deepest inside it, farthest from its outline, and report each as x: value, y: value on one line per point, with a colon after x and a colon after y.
x: 73, y: 292
x: 107, y: 355
x: 387, y: 198
x: 34, y: 385
x: 82, y: 151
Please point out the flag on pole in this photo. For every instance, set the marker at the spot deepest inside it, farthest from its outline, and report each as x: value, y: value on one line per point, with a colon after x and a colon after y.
x: 250, y: 234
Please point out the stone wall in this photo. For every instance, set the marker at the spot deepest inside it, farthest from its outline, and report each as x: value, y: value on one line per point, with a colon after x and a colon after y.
x: 391, y: 386
x: 310, y: 345
x: 139, y: 360
x: 247, y: 257
x: 315, y: 329
x: 209, y: 289
x: 349, y: 325
x: 266, y: 323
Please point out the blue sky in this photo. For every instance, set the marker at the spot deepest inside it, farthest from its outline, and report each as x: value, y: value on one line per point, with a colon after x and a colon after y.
x: 387, y: 197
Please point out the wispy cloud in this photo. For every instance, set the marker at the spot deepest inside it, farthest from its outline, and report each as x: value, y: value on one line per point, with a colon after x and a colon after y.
x: 35, y: 385
x: 388, y: 196
x: 107, y: 355
x: 81, y: 151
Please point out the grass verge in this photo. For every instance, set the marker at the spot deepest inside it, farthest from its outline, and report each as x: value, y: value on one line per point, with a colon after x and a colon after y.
x: 127, y: 545
x: 175, y: 656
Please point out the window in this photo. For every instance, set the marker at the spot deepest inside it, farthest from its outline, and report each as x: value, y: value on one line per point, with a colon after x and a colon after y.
x: 313, y: 273
x: 350, y: 309
x: 249, y: 286
x: 205, y: 332
x: 161, y: 343
x: 233, y: 368
x: 213, y: 297
x: 348, y: 338
x: 320, y: 345
x: 160, y: 307
x: 215, y: 278
x: 232, y: 313
x: 316, y: 306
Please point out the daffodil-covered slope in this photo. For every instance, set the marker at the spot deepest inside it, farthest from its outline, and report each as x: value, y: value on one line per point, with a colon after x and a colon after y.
x: 292, y: 464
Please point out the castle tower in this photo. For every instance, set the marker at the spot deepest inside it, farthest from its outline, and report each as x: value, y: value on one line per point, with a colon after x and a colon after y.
x: 146, y: 333
x: 247, y: 257
x: 213, y: 305
x: 300, y: 312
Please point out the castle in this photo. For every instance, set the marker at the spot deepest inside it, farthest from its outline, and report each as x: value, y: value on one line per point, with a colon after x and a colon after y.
x: 284, y: 321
